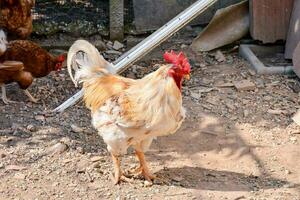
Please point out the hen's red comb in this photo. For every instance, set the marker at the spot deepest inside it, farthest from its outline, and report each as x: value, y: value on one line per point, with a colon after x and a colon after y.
x: 177, y: 59
x: 61, y: 58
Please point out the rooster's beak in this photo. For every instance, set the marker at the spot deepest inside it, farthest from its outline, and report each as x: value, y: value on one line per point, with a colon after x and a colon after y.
x: 187, y: 77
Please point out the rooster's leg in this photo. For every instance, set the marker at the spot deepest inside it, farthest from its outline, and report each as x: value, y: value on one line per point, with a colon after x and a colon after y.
x: 118, y: 173
x: 34, y: 100
x: 143, y: 166
x: 117, y: 169
x: 4, y: 98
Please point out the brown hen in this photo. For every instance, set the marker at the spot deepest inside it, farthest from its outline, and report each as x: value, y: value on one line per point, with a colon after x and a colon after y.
x: 36, y: 61
x: 16, y: 17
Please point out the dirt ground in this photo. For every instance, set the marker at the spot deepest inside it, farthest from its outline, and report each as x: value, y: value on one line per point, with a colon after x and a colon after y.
x: 233, y: 144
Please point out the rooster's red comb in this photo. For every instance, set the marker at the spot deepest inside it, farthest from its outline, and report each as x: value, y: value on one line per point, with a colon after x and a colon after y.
x: 170, y: 57
x: 179, y: 60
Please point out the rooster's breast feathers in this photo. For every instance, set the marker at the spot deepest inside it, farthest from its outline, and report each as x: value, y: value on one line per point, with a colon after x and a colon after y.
x: 152, y: 104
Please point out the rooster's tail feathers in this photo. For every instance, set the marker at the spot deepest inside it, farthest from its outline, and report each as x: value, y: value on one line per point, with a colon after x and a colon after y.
x: 86, y: 61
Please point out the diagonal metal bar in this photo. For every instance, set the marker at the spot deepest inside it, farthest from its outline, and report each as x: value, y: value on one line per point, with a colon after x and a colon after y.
x: 144, y: 47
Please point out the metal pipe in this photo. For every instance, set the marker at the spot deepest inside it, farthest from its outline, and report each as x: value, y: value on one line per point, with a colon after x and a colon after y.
x: 259, y: 67
x: 150, y: 42
x: 162, y: 34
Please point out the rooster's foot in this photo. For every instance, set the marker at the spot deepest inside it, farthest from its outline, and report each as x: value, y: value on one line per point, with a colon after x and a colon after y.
x: 148, y: 176
x: 140, y: 171
x: 120, y: 178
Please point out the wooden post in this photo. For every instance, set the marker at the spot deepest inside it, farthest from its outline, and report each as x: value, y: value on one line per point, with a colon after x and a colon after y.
x: 116, y: 19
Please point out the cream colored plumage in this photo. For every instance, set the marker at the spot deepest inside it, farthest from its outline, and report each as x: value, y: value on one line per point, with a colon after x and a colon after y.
x: 129, y: 112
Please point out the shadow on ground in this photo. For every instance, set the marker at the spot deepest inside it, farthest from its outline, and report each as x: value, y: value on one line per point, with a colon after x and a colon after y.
x: 206, y: 179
